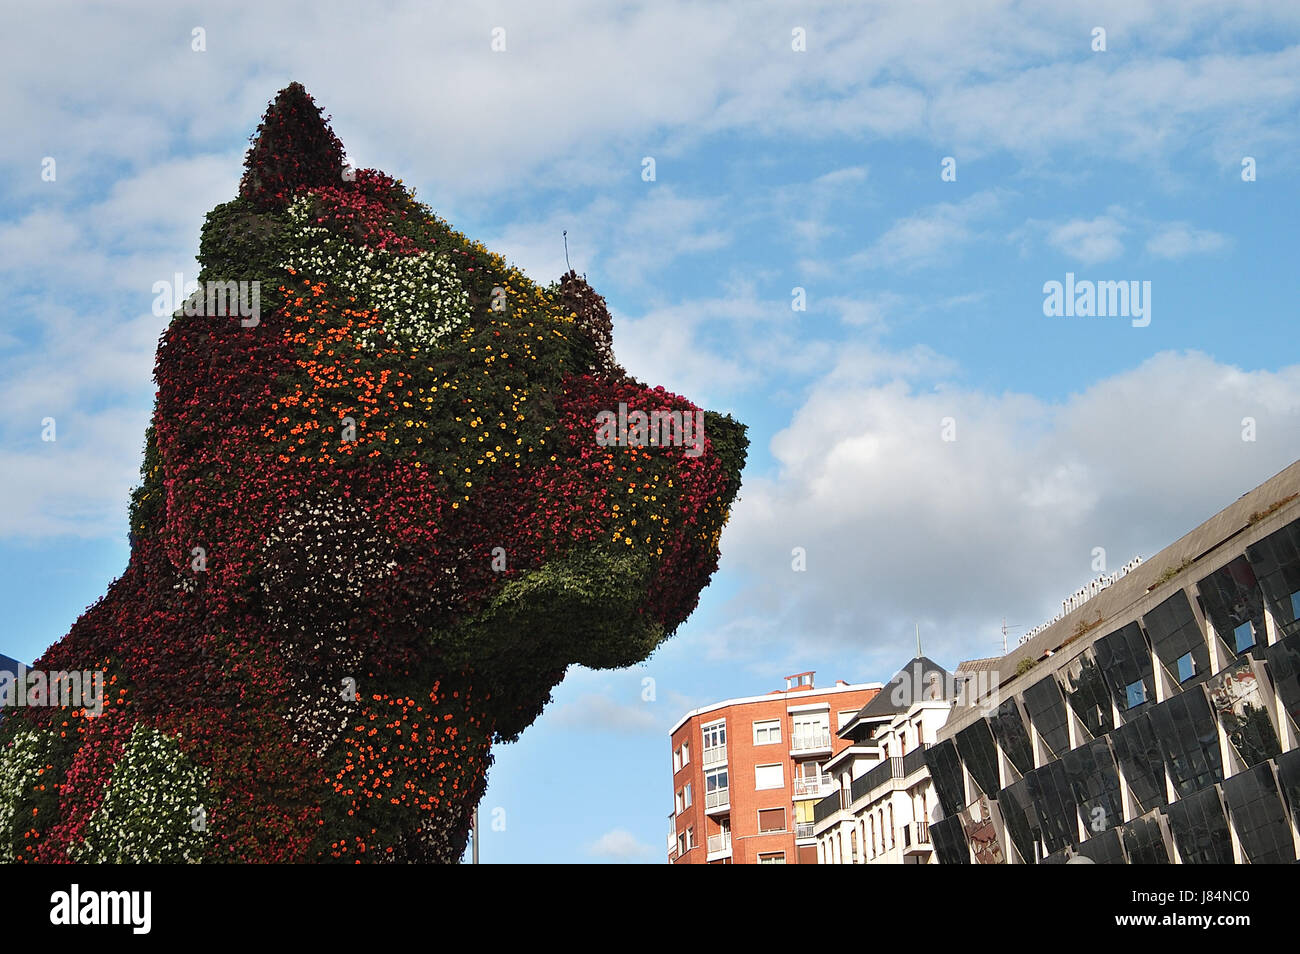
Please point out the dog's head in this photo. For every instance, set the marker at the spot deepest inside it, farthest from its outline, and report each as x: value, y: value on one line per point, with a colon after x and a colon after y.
x: 397, y: 450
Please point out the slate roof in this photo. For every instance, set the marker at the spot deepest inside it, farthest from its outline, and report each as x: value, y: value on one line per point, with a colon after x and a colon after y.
x: 908, y: 685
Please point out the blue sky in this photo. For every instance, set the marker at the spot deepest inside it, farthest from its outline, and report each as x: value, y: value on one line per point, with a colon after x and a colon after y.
x: 775, y: 169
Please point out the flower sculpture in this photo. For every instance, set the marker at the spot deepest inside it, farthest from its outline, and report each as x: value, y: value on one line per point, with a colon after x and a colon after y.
x: 374, y: 528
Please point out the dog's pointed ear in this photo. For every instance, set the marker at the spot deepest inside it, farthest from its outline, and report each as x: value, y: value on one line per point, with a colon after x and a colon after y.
x: 293, y: 148
x: 592, y: 316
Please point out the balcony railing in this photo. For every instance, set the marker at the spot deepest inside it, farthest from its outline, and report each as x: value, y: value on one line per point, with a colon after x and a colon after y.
x: 890, y: 768
x: 916, y: 835
x: 817, y: 785
x: 914, y: 760
x: 810, y: 740
x: 715, y: 756
x: 829, y: 805
x: 803, y: 829
x: 719, y: 798
x: 720, y: 843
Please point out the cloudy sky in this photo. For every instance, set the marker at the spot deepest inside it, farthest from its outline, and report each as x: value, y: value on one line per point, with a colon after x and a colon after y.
x: 1169, y: 157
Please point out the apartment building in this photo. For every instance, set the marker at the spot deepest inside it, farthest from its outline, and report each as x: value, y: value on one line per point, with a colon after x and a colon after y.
x: 1154, y: 723
x: 747, y: 772
x: 880, y: 808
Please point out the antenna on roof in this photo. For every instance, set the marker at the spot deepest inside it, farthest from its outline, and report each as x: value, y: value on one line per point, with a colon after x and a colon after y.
x: 1005, y: 630
x: 918, y: 640
x: 565, y: 233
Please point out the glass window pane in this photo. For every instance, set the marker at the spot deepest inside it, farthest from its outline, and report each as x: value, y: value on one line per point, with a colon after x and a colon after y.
x: 1284, y: 666
x: 946, y: 771
x: 1138, y: 755
x: 979, y: 753
x: 1085, y: 689
x: 1232, y: 598
x: 1125, y: 660
x: 1174, y: 634
x: 1244, y: 636
x: 1259, y: 816
x: 1188, y: 737
x: 1046, y: 709
x: 1200, y: 829
x: 1094, y: 780
x: 1021, y: 819
x: 1276, y: 564
x: 1144, y: 841
x: 1241, y: 708
x: 950, y: 841
x: 1012, y: 734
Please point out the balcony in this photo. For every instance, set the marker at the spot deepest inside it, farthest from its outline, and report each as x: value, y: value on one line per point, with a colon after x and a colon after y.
x: 718, y: 800
x: 914, y: 760
x: 888, y: 770
x: 719, y: 846
x: 829, y: 805
x: 715, y: 756
x: 808, y: 741
x: 916, y: 838
x: 812, y: 786
x: 804, y: 831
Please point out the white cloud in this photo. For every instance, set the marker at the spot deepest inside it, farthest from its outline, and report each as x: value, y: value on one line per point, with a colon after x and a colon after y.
x: 866, y: 311
x: 1178, y: 240
x: 1089, y: 241
x: 619, y: 844
x: 933, y: 236
x: 597, y: 712
x: 900, y: 525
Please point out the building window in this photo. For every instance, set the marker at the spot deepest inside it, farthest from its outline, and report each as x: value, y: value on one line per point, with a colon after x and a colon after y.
x: 771, y: 819
x: 686, y: 753
x: 677, y: 761
x: 1245, y: 636
x: 1135, y: 693
x: 891, y: 826
x: 690, y: 838
x: 769, y: 776
x: 686, y: 795
x: 715, y: 788
x: 771, y: 857
x: 681, y: 844
x: 715, y: 737
x: 854, y: 846
x: 872, y: 819
x: 767, y: 733
x: 1186, y: 667
x: 811, y: 731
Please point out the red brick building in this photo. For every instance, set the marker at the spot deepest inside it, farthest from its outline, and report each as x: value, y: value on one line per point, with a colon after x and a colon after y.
x: 747, y: 772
